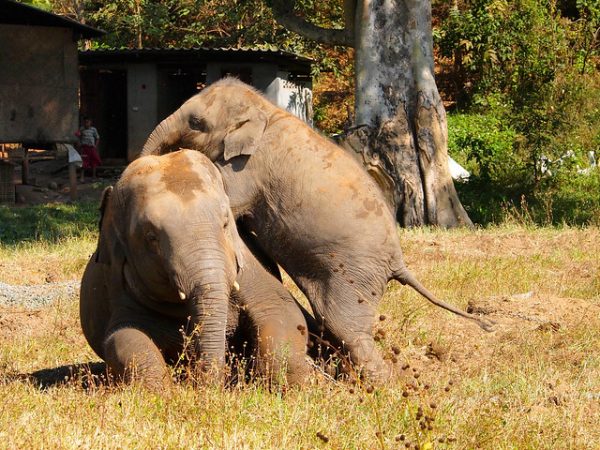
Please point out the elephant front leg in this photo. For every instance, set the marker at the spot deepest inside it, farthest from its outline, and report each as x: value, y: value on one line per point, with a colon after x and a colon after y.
x: 279, y: 324
x: 282, y: 341
x: 133, y: 357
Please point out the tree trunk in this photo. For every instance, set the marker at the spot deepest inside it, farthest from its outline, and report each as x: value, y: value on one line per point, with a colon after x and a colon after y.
x: 399, y: 113
x: 400, y: 133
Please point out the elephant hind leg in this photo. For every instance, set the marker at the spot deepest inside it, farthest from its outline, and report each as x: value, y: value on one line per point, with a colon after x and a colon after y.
x: 133, y: 357
x: 348, y: 313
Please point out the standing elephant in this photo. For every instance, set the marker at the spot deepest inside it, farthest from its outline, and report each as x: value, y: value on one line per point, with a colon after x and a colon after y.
x: 169, y: 258
x: 313, y: 208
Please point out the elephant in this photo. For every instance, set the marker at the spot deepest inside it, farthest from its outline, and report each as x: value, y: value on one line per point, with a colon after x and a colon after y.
x: 169, y: 258
x: 308, y: 203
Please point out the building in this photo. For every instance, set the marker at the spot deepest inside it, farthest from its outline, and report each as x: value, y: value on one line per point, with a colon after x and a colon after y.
x: 128, y: 92
x: 39, y: 77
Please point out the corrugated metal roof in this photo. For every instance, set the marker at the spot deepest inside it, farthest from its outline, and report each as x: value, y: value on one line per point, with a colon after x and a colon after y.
x: 249, y: 53
x: 14, y: 13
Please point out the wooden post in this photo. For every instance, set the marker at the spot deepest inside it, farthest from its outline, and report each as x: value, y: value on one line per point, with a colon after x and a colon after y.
x: 73, y: 181
x: 25, y: 166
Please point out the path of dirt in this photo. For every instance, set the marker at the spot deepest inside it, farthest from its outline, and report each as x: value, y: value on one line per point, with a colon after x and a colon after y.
x: 36, y: 296
x: 49, y: 182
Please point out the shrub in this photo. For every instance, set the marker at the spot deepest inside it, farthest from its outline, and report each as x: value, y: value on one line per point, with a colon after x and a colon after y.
x: 532, y: 110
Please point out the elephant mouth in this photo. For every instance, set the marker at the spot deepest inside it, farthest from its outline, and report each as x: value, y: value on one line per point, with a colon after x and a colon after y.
x: 171, y: 294
x: 177, y: 296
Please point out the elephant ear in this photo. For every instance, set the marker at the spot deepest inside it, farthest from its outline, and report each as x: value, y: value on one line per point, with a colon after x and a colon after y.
x: 238, y: 244
x: 244, y: 137
x: 108, y: 242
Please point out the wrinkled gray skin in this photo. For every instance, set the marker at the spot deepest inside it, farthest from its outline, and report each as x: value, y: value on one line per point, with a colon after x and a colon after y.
x: 313, y: 208
x: 167, y: 260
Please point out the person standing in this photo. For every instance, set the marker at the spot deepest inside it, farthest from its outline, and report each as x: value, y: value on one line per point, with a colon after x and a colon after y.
x: 88, y: 146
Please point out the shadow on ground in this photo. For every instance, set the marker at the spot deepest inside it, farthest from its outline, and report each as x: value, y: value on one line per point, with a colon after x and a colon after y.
x: 86, y: 375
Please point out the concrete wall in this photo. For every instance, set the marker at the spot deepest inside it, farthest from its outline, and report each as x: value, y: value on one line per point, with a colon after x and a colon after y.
x: 289, y: 95
x: 142, y: 106
x: 294, y: 97
x: 38, y: 84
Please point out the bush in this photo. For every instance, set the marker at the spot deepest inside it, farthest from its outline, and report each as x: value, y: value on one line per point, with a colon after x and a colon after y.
x: 572, y: 199
x: 482, y: 144
x: 532, y: 110
x: 485, y: 147
x: 503, y: 150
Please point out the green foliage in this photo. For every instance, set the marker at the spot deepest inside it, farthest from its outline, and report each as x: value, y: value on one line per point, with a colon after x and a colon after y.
x: 183, y: 23
x: 504, y: 149
x: 532, y: 105
x: 572, y: 199
x: 50, y: 222
x: 485, y: 147
x: 190, y: 23
x: 483, y: 144
x: 42, y: 4
x: 588, y: 33
x: 510, y: 47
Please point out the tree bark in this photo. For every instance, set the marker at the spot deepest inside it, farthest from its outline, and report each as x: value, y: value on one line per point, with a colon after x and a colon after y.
x: 400, y: 134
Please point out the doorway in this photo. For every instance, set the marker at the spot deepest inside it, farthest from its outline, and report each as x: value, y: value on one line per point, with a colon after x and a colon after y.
x: 177, y: 83
x: 103, y: 98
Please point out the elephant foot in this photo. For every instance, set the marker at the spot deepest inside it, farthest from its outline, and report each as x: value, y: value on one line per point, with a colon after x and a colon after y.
x: 132, y: 357
x: 368, y: 365
x: 280, y: 369
x: 377, y: 372
x: 299, y: 371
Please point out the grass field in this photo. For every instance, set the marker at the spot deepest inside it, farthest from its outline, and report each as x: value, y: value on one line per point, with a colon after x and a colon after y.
x: 533, y: 383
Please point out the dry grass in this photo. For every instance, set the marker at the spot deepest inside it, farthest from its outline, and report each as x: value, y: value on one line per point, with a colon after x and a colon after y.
x: 533, y: 383
x: 44, y: 262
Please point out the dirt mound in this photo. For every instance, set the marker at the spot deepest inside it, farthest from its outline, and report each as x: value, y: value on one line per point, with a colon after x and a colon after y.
x: 533, y: 312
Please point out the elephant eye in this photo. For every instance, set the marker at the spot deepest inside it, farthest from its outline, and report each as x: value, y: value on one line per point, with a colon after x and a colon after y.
x: 152, y: 239
x: 199, y: 124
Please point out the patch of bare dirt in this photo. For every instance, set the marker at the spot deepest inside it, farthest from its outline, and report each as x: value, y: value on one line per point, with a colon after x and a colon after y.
x: 26, y: 322
x: 518, y: 319
x: 49, y: 181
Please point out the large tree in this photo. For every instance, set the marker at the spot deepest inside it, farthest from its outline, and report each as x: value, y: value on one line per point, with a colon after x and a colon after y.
x: 400, y: 131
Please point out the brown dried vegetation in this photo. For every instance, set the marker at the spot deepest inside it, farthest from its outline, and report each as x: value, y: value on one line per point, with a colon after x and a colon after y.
x: 532, y: 383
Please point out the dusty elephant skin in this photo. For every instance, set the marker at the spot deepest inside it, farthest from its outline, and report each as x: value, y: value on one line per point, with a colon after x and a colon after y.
x: 312, y: 207
x: 169, y: 258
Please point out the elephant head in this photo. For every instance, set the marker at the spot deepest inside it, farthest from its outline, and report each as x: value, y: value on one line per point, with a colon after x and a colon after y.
x: 169, y: 237
x: 221, y: 121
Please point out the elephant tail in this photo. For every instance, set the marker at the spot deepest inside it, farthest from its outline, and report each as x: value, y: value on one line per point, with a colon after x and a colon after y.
x: 404, y: 276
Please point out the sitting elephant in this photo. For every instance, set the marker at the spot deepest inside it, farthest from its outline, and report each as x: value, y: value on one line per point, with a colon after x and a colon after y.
x: 312, y: 207
x: 169, y: 257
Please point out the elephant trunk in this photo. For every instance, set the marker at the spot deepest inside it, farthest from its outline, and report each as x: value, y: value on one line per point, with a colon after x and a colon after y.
x: 165, y: 136
x: 209, y: 302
